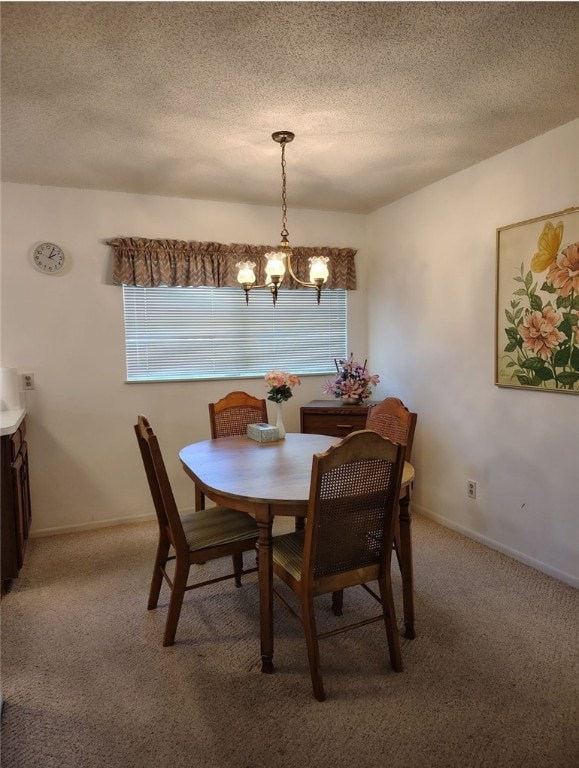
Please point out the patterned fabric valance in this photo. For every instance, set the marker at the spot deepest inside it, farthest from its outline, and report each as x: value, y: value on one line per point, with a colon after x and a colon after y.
x: 151, y: 263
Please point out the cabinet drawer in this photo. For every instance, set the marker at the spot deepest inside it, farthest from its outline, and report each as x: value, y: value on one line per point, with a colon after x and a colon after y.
x: 325, y: 417
x: 333, y: 424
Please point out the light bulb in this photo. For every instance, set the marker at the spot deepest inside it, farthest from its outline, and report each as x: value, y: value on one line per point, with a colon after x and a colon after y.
x: 275, y: 266
x: 246, y: 275
x: 318, y: 269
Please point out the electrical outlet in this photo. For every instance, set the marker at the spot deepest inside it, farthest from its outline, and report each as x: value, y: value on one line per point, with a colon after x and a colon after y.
x: 471, y: 489
x: 27, y: 381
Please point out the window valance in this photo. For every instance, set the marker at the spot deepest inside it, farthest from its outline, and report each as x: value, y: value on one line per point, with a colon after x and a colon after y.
x: 151, y: 263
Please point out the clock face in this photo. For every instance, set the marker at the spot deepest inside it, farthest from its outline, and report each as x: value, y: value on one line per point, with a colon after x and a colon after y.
x: 48, y: 258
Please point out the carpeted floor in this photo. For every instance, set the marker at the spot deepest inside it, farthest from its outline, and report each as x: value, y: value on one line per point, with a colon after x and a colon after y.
x: 490, y: 680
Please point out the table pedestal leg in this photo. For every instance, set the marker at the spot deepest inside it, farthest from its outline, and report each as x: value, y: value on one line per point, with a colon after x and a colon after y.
x: 406, y: 565
x: 265, y: 594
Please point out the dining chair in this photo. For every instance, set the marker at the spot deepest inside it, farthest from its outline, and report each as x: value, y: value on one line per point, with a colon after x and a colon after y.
x: 391, y: 419
x: 347, y: 539
x: 231, y: 415
x: 195, y: 537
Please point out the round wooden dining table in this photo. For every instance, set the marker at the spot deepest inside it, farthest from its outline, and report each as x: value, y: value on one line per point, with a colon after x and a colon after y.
x: 271, y: 479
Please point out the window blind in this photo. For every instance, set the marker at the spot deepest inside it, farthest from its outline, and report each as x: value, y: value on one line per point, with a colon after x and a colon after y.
x: 174, y: 334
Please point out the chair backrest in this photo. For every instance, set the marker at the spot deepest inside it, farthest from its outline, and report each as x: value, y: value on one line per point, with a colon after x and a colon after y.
x: 353, y: 496
x: 159, y: 485
x: 392, y: 419
x: 231, y: 415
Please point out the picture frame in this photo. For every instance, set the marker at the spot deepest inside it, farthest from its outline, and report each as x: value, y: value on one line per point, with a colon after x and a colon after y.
x: 537, y: 304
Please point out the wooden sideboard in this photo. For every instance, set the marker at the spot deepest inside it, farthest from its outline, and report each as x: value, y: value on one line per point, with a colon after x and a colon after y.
x: 330, y: 417
x: 16, y: 511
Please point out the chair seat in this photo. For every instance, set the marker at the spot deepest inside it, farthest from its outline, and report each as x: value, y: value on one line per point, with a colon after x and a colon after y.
x: 288, y: 551
x: 217, y: 526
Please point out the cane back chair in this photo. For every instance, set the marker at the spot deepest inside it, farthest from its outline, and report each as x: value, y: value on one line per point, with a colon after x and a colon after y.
x: 347, y: 539
x: 392, y: 419
x: 231, y: 415
x: 195, y: 537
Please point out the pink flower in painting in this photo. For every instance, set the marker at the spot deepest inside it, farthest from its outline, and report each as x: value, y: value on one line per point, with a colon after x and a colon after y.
x: 539, y: 332
x: 564, y: 273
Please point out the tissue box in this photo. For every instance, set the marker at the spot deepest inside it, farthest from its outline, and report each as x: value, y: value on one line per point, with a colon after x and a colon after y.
x: 263, y: 433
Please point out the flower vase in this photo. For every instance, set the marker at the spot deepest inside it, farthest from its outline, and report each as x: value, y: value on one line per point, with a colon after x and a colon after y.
x: 350, y: 401
x: 279, y: 421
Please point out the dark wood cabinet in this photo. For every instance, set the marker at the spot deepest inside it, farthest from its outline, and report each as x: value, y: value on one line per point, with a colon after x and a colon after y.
x: 330, y: 417
x: 15, y: 496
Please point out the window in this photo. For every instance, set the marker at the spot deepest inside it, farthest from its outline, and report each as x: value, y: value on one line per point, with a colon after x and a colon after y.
x: 173, y: 334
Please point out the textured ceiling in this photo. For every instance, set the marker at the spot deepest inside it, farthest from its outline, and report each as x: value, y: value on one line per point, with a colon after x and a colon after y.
x: 180, y: 99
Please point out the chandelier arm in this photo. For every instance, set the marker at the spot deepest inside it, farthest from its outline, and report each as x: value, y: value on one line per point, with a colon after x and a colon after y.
x: 295, y: 277
x: 264, y: 285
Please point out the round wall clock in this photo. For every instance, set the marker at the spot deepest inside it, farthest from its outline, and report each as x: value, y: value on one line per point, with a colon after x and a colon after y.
x: 49, y: 258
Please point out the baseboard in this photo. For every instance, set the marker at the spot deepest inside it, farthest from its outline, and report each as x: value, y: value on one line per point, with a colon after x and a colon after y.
x: 567, y: 578
x: 78, y: 527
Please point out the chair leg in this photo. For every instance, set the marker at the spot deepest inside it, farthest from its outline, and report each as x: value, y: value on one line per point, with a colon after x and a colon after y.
x: 157, y: 580
x: 385, y: 584
x: 237, y: 567
x: 309, y: 622
x: 337, y: 602
x: 177, y: 593
x: 397, y: 549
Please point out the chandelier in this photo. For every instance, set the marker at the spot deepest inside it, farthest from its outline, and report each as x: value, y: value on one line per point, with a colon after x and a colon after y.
x: 275, y: 267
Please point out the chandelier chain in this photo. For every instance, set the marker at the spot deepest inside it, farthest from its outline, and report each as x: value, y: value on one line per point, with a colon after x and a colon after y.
x: 284, y: 232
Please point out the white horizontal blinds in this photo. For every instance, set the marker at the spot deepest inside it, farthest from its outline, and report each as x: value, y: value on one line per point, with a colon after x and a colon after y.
x: 210, y: 333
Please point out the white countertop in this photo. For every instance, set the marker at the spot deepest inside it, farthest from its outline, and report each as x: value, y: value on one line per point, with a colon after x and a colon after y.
x: 11, y: 420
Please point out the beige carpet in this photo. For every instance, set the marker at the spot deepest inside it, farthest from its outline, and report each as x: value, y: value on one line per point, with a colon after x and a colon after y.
x: 490, y: 680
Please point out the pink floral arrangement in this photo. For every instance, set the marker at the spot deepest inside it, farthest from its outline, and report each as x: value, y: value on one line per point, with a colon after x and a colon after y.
x: 280, y: 384
x: 353, y: 381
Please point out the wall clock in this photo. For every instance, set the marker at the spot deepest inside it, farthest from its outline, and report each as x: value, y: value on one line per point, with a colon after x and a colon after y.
x: 49, y: 258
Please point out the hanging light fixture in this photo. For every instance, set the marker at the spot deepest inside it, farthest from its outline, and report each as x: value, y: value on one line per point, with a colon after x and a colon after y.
x: 277, y: 260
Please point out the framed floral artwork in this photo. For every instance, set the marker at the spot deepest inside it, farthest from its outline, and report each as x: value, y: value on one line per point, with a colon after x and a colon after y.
x: 537, y: 304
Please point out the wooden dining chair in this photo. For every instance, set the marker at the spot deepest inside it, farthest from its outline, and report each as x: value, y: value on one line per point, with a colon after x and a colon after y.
x: 231, y: 415
x: 195, y: 537
x: 390, y: 419
x: 347, y: 539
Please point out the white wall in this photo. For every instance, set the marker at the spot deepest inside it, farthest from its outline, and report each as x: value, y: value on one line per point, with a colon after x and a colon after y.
x: 431, y: 278
x: 68, y: 330
x: 430, y: 269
